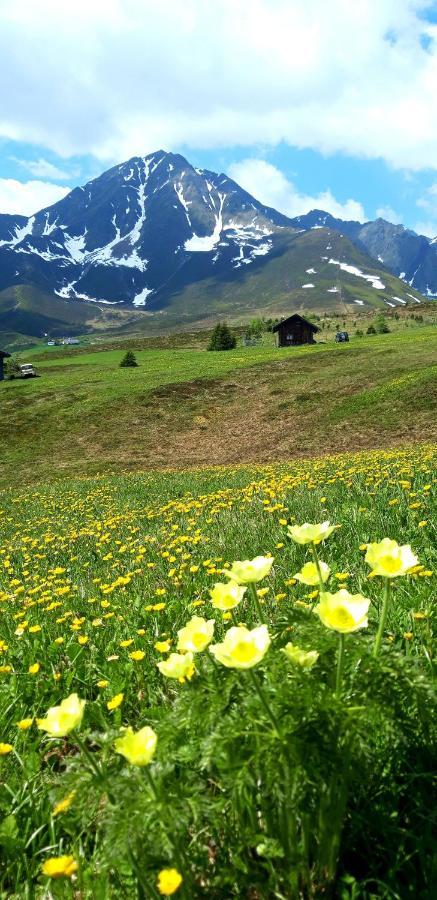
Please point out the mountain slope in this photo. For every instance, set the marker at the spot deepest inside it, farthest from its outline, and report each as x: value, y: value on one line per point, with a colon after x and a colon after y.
x: 410, y: 256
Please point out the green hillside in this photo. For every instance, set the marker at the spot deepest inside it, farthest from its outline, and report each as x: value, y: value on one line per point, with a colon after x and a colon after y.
x: 269, y: 286
x: 185, y: 407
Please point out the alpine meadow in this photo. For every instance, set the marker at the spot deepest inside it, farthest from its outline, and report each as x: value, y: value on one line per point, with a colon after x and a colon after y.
x: 218, y: 443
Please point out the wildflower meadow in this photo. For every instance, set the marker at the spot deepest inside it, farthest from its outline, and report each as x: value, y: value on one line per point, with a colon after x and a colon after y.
x: 218, y: 683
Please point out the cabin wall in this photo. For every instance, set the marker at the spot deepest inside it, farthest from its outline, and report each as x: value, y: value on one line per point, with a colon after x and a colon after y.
x: 294, y: 336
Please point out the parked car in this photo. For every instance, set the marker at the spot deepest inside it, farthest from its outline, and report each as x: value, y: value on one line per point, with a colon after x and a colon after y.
x: 341, y: 337
x: 27, y: 371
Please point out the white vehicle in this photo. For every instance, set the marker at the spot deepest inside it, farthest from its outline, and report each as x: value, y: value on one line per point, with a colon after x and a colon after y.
x: 27, y: 371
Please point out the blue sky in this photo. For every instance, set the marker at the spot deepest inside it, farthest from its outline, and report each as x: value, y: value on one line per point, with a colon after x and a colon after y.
x: 304, y: 103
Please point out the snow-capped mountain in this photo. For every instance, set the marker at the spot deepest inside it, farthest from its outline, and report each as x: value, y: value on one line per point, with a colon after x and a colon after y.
x: 155, y: 234
x: 410, y: 256
x: 123, y: 236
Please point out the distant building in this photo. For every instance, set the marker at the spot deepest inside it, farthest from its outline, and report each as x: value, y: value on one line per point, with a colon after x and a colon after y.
x: 3, y: 355
x: 70, y: 340
x: 294, y: 331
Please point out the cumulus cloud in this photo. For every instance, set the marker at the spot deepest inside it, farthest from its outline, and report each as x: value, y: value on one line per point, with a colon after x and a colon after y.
x: 389, y: 214
x: 118, y: 77
x: 269, y: 185
x: 26, y: 198
x: 428, y: 203
x: 42, y: 168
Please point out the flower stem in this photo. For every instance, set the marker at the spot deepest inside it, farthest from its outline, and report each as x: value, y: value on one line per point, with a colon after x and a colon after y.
x: 265, y: 702
x: 381, y: 626
x: 256, y: 602
x: 340, y: 663
x: 319, y: 571
x: 93, y: 765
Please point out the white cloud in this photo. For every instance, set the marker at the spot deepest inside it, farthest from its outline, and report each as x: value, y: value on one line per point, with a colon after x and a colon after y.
x: 429, y: 229
x: 42, y: 168
x: 428, y: 203
x: 389, y: 214
x: 29, y: 197
x: 269, y: 185
x: 353, y: 77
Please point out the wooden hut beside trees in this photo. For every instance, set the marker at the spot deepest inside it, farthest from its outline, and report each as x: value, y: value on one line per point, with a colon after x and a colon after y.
x: 3, y: 356
x: 294, y: 331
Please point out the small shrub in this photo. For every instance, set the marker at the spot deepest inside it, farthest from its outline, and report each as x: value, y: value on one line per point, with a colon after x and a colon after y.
x: 222, y: 338
x: 129, y: 361
x: 371, y: 330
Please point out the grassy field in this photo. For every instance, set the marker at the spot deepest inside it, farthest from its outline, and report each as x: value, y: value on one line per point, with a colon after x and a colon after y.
x: 289, y: 779
x: 185, y: 407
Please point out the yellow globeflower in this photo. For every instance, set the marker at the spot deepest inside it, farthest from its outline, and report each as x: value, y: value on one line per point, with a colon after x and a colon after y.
x: 59, y: 867
x: 309, y: 574
x: 388, y: 559
x: 137, y: 747
x: 241, y: 648
x: 343, y: 612
x: 178, y: 665
x: 196, y: 635
x: 248, y: 571
x: 310, y: 534
x: 24, y: 724
x: 64, y: 804
x: 60, y: 720
x: 227, y: 596
x: 169, y: 881
x: 34, y: 668
x: 137, y: 655
x: 306, y: 659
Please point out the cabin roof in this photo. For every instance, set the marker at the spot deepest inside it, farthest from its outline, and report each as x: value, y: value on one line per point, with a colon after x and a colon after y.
x: 3, y: 354
x: 292, y: 320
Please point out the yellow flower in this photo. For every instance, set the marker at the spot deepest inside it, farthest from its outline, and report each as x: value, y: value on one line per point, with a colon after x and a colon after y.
x: 309, y: 575
x: 196, y: 635
x: 24, y: 724
x: 241, y: 648
x: 126, y: 643
x: 248, y: 571
x: 115, y: 701
x: 162, y: 646
x: 137, y: 747
x: 137, y: 655
x: 343, y: 612
x: 5, y: 748
x: 178, y: 665
x: 227, y: 596
x: 169, y: 881
x: 103, y: 683
x: 60, y: 720
x: 34, y: 669
x: 59, y: 867
x: 388, y: 559
x: 310, y: 534
x: 64, y: 804
x: 83, y: 639
x: 299, y: 657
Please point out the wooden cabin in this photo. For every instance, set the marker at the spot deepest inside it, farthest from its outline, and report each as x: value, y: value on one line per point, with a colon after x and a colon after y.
x: 294, y: 331
x: 3, y: 355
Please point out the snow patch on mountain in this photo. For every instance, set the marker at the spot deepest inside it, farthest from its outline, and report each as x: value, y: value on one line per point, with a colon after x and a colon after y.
x: 353, y: 270
x: 207, y: 243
